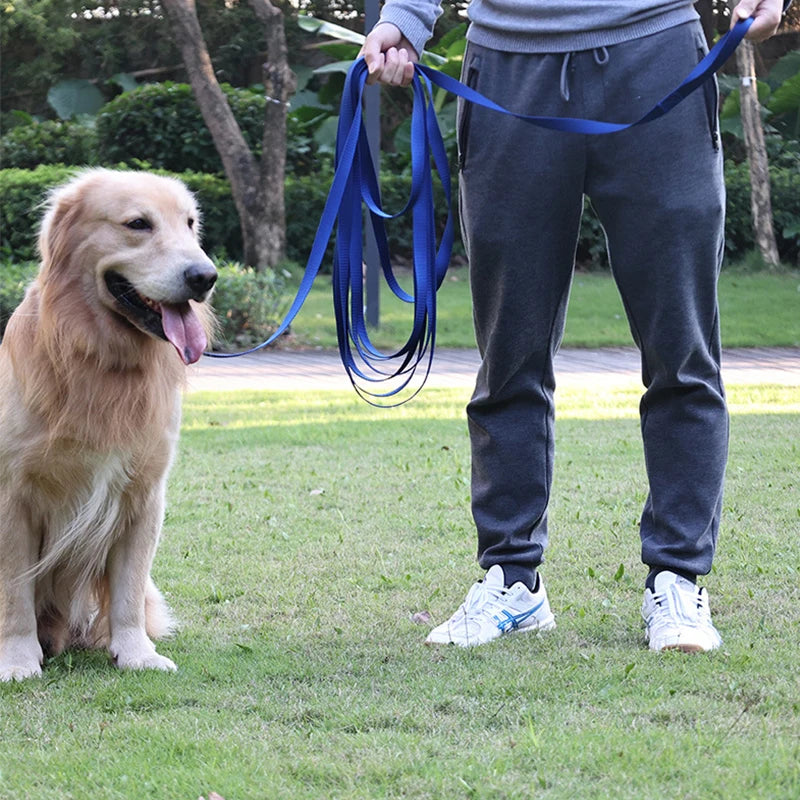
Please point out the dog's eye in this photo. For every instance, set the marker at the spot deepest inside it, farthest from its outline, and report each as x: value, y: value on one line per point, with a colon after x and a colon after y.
x: 191, y: 224
x: 139, y: 224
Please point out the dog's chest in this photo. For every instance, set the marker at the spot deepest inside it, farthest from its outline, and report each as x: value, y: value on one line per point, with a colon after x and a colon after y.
x: 102, y: 505
x: 93, y: 487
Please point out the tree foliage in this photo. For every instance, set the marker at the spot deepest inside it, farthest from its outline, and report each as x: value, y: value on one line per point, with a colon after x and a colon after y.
x: 44, y: 41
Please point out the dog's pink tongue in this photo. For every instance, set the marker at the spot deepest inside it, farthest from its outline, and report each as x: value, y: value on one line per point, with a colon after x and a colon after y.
x: 183, y: 329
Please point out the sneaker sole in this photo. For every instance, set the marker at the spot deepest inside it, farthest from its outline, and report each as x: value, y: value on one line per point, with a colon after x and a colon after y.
x: 546, y: 626
x: 683, y: 648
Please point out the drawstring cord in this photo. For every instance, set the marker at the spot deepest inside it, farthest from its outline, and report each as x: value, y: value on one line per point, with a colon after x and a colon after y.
x: 601, y: 58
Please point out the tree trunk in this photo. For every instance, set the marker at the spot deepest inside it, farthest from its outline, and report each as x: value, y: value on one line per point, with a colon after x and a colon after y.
x: 263, y: 227
x: 279, y: 84
x: 760, y: 196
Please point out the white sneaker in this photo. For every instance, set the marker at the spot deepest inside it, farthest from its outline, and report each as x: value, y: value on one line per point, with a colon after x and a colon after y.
x: 677, y: 616
x: 490, y: 610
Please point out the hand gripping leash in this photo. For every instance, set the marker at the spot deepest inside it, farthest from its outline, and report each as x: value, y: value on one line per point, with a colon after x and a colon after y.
x: 355, y: 183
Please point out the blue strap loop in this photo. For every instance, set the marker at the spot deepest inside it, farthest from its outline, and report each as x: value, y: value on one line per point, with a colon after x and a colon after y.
x: 355, y: 183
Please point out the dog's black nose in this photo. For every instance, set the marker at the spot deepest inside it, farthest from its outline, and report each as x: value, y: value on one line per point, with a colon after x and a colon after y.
x: 200, y: 278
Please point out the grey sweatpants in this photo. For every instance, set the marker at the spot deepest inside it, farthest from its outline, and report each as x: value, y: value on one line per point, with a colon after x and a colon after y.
x: 658, y: 191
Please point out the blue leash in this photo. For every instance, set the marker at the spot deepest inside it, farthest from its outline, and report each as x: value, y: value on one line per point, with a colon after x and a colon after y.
x: 355, y: 182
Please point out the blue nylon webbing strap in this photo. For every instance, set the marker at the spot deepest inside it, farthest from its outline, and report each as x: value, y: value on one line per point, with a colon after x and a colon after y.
x: 714, y: 59
x: 355, y: 185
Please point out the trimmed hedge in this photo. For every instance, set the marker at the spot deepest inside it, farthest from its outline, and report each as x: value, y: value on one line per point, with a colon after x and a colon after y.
x: 132, y: 124
x: 22, y: 192
x: 48, y: 142
x: 161, y: 123
x: 14, y: 280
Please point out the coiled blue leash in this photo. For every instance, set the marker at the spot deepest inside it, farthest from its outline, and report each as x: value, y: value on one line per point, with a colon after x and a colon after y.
x: 355, y: 183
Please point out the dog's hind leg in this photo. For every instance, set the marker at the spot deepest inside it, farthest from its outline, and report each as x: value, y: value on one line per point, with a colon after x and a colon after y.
x: 53, y: 631
x: 129, y: 581
x: 20, y: 652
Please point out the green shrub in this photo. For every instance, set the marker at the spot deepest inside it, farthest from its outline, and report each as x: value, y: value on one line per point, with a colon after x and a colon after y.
x: 250, y: 305
x: 22, y: 193
x: 305, y: 199
x: 222, y: 235
x: 160, y: 123
x: 14, y: 279
x: 785, y: 184
x: 49, y: 142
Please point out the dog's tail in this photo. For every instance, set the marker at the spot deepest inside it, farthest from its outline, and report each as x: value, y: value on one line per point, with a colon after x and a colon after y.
x: 159, y: 621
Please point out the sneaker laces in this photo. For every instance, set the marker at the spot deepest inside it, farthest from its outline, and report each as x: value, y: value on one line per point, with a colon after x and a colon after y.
x: 481, y: 596
x: 680, y: 605
x: 481, y: 601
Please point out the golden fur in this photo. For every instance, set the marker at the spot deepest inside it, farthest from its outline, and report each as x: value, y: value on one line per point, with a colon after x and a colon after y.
x: 89, y: 417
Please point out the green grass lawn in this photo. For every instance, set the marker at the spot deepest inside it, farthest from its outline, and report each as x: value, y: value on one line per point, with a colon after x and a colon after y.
x: 306, y: 531
x: 758, y: 310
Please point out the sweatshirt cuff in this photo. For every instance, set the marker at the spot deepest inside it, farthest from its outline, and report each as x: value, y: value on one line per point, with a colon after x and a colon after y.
x: 412, y: 26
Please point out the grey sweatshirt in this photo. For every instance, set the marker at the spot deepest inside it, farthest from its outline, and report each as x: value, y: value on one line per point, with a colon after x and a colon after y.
x: 544, y: 26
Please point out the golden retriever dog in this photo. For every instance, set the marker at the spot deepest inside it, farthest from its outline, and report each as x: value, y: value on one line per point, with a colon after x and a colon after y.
x: 90, y: 391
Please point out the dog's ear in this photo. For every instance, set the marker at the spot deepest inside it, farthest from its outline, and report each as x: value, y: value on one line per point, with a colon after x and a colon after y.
x: 58, y: 228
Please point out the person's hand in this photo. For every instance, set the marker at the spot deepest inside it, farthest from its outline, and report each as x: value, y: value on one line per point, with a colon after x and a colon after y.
x: 389, y: 55
x: 766, y: 16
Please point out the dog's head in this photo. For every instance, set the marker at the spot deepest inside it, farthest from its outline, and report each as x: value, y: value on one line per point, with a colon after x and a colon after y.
x: 129, y: 242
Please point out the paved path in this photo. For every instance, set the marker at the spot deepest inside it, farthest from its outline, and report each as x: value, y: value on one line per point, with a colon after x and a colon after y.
x: 317, y: 370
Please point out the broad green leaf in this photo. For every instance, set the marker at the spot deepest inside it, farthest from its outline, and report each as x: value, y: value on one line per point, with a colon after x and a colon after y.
x: 325, y: 135
x: 306, y: 99
x: 786, y: 97
x: 785, y: 69
x: 323, y: 28
x: 341, y: 51
x: 303, y: 73
x: 74, y: 96
x: 453, y: 36
x: 336, y: 66
x: 125, y: 81
x: 731, y: 107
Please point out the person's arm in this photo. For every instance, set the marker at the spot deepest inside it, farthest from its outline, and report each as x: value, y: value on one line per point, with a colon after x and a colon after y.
x: 766, y: 16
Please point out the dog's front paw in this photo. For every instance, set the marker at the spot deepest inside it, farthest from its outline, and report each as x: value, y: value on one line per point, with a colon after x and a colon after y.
x: 20, y: 659
x: 151, y: 661
x: 133, y: 650
x: 19, y: 672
